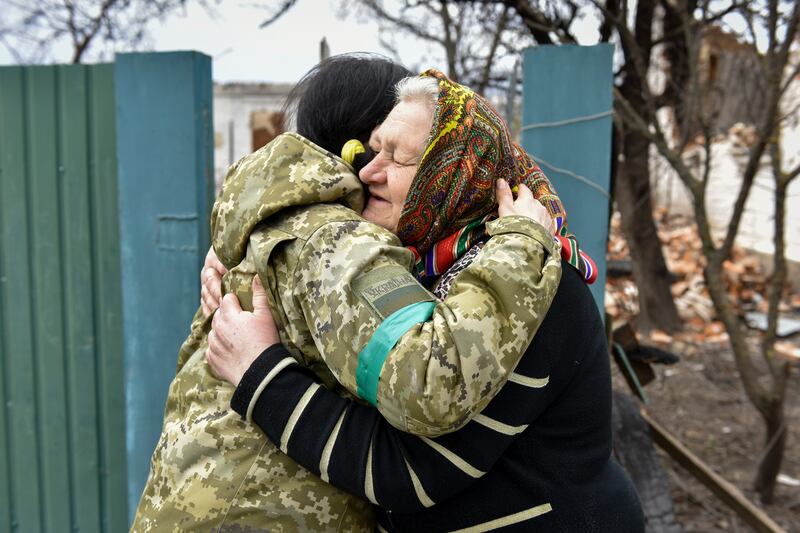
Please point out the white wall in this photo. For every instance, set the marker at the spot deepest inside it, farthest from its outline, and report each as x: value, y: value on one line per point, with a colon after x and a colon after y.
x: 729, y: 157
x: 233, y: 105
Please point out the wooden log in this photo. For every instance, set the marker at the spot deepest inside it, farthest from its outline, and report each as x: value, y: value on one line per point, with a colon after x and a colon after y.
x: 724, y: 490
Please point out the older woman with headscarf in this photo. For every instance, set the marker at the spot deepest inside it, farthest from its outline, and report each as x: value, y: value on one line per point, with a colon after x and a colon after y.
x: 538, y: 457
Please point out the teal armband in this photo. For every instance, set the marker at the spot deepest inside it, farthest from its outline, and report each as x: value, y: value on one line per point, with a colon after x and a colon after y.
x: 372, y: 357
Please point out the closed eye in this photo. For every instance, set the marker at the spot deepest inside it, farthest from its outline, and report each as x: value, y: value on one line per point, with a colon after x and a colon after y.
x: 404, y: 161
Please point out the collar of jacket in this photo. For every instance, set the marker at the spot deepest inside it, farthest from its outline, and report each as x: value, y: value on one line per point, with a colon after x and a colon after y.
x: 290, y: 171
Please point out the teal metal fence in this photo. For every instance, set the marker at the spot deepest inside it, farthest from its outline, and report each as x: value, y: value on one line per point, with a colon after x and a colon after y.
x: 62, y: 424
x: 566, y: 127
x: 166, y: 185
x: 71, y: 139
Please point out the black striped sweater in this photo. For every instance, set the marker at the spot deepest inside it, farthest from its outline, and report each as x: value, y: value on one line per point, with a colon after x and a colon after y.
x: 537, y: 458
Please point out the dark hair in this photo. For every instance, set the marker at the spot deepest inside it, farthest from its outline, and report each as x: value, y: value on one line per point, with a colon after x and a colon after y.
x: 345, y: 97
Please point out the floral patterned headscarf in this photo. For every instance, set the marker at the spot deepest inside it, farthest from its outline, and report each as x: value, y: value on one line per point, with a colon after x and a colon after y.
x: 452, y: 195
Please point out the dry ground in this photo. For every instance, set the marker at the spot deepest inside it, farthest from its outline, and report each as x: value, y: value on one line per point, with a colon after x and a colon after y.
x: 701, y: 401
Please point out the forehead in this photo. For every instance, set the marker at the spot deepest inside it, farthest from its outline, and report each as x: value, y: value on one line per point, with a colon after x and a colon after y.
x: 409, y: 123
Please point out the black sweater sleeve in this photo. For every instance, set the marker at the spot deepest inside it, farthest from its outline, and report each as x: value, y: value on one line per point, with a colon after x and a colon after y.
x: 352, y: 447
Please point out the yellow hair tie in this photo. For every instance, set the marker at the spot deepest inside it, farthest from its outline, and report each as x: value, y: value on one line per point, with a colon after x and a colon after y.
x: 351, y: 149
x: 515, y: 189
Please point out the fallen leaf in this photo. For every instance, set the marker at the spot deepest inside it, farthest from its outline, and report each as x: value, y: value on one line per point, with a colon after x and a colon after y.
x: 734, y: 268
x: 679, y: 288
x: 718, y: 339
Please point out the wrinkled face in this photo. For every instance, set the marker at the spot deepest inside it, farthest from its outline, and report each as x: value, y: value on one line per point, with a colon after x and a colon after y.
x: 399, y: 143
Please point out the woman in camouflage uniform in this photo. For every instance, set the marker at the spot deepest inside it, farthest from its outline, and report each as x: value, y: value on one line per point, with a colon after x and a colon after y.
x: 289, y: 213
x: 537, y: 458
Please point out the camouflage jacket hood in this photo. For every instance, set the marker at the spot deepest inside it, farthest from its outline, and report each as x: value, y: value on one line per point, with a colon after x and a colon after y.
x: 288, y: 172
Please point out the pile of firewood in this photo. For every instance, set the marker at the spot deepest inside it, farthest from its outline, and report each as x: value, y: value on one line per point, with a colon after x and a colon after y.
x: 745, y: 278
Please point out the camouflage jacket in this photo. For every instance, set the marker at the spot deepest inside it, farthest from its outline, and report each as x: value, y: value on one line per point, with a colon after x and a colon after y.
x: 289, y: 212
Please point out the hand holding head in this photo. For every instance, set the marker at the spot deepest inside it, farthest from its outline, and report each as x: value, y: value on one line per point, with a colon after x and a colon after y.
x: 525, y: 205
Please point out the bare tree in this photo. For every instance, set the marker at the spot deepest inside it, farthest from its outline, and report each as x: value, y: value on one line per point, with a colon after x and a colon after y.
x: 771, y: 26
x: 30, y: 30
x: 479, y: 41
x: 632, y: 190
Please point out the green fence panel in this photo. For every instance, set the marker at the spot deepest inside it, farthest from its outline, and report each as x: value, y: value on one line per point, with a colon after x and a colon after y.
x: 78, y: 321
x: 108, y: 299
x: 62, y: 455
x: 46, y: 172
x: 166, y: 188
x: 20, y: 431
x: 566, y: 122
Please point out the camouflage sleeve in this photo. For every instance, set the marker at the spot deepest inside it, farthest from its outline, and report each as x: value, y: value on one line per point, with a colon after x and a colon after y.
x: 351, y: 446
x: 444, y: 369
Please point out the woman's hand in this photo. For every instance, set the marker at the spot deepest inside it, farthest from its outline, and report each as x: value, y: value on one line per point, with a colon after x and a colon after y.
x: 525, y: 205
x: 238, y: 337
x: 211, y: 283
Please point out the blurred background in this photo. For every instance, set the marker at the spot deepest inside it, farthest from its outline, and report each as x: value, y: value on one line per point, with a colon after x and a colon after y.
x: 671, y: 129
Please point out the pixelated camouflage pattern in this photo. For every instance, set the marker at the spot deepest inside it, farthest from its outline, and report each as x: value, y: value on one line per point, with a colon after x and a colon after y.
x: 213, y: 470
x: 443, y: 372
x: 275, y: 178
x: 479, y: 332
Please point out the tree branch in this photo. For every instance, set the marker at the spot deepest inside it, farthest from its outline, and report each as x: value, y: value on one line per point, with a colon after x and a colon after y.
x: 448, y: 42
x: 501, y: 26
x: 378, y: 10
x: 607, y: 26
x: 82, y: 43
x: 775, y: 68
x: 537, y: 22
x: 775, y: 286
x: 791, y: 175
x: 282, y: 10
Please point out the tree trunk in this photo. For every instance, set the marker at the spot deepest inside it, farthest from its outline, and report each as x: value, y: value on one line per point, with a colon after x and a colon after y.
x: 770, y: 465
x: 632, y: 190
x: 632, y: 193
x: 766, y: 396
